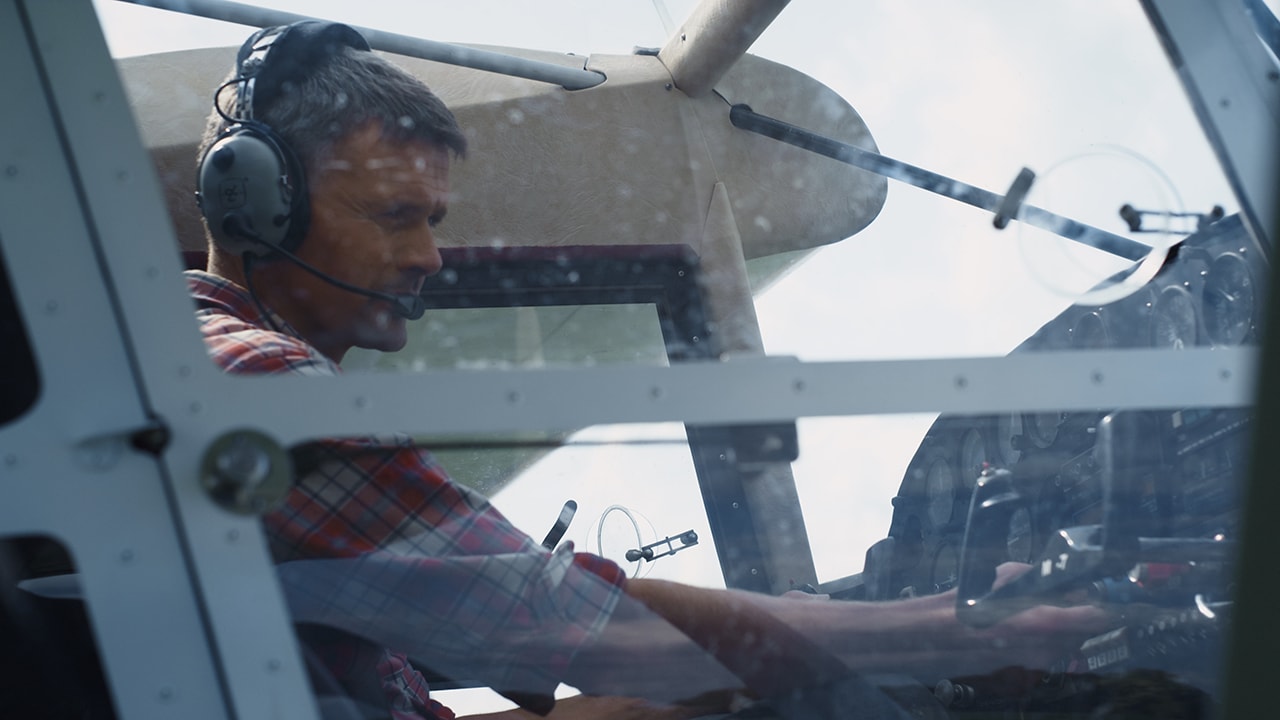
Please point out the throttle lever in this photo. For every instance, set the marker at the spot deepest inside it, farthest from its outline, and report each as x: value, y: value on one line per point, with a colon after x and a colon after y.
x: 986, y: 532
x: 1072, y: 560
x: 1126, y: 458
x: 1072, y: 556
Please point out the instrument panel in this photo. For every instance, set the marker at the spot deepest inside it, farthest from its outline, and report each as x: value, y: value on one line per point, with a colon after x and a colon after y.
x: 1179, y: 485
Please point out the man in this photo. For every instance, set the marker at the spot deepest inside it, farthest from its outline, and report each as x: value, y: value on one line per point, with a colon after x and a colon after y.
x: 374, y: 539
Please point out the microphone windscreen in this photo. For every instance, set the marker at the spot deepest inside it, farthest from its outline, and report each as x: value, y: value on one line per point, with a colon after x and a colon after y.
x: 410, y: 307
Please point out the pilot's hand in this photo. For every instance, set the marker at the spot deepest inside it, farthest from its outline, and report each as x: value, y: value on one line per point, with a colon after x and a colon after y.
x: 1035, y: 638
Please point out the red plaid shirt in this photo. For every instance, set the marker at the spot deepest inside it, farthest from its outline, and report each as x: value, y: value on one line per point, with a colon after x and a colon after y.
x: 376, y: 540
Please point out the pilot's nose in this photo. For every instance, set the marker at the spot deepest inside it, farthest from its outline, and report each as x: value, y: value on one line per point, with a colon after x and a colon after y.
x: 423, y: 255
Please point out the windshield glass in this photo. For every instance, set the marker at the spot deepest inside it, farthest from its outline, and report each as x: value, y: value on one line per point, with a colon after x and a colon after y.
x: 871, y: 183
x: 1090, y: 107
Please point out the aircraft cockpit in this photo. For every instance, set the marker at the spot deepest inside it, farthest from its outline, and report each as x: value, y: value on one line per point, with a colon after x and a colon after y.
x: 839, y: 304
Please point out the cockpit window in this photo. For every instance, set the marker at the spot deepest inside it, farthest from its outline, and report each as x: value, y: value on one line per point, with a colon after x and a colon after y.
x: 867, y: 184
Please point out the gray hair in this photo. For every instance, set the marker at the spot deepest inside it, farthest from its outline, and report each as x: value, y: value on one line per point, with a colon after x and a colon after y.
x: 341, y: 95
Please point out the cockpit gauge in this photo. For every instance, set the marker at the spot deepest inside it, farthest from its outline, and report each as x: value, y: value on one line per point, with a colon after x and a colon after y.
x: 940, y: 492
x: 1018, y: 543
x: 973, y: 456
x: 945, y: 572
x: 1173, y: 323
x: 1090, y: 332
x: 1229, y: 300
x: 1009, y: 439
x: 1042, y: 428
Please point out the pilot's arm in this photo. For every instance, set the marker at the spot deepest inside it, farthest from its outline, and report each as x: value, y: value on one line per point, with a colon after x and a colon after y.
x: 775, y: 644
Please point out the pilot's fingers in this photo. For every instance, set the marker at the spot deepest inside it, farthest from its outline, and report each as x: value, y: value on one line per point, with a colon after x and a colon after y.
x: 1011, y: 571
x: 1008, y: 572
x: 1040, y: 636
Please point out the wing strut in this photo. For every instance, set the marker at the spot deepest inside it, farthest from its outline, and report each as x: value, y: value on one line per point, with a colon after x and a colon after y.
x: 567, y: 77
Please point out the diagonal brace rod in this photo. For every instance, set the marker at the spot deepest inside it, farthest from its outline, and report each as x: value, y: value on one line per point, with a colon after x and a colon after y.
x: 745, y: 118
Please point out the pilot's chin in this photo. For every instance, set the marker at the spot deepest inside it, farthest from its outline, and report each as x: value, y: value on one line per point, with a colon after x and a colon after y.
x: 387, y: 334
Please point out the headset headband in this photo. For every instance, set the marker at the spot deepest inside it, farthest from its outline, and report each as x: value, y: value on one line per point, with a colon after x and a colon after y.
x: 294, y: 51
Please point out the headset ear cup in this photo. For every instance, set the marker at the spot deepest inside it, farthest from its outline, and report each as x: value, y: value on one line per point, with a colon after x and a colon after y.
x: 252, y: 192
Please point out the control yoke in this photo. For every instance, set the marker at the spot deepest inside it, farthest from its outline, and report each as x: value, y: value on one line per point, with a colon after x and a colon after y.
x: 1103, y: 559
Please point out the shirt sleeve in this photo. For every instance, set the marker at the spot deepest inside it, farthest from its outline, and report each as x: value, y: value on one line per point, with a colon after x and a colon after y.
x: 512, y: 622
x: 379, y: 542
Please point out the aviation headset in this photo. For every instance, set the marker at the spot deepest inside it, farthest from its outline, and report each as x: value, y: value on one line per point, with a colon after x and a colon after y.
x: 250, y: 185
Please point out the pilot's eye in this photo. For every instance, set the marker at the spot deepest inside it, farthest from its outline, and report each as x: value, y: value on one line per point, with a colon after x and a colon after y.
x: 401, y: 216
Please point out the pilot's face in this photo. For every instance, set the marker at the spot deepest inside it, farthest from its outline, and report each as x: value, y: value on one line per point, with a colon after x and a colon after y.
x: 374, y: 206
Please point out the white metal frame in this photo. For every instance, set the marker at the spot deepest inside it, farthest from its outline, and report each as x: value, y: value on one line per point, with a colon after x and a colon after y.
x: 1234, y: 87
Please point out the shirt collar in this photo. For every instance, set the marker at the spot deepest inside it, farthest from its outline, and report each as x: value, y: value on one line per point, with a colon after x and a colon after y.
x: 216, y: 293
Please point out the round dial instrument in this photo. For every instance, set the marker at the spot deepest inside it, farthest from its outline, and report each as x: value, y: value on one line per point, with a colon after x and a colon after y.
x: 973, y: 456
x: 1173, y: 323
x: 1229, y: 300
x: 1042, y: 428
x: 1009, y: 439
x: 1090, y: 332
x: 940, y: 492
x: 945, y: 572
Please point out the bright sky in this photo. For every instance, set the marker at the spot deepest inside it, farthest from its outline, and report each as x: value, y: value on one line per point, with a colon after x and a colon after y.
x: 1080, y: 93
